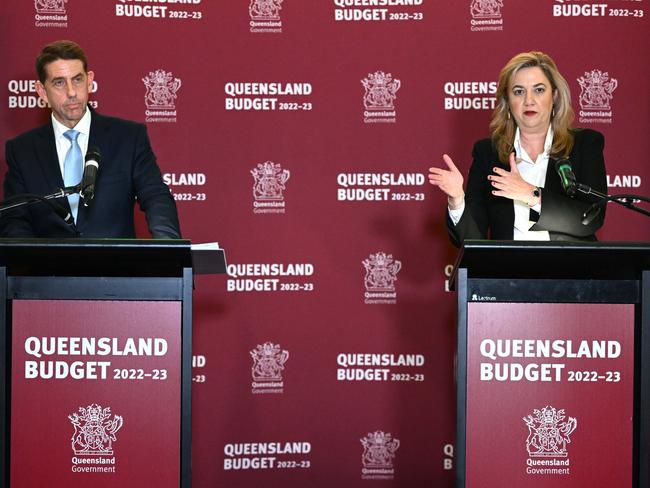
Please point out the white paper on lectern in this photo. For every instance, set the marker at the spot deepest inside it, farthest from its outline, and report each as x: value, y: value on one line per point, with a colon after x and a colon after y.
x: 207, y: 246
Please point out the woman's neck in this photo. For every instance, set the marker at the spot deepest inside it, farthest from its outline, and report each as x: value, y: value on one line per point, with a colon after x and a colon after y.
x: 533, y: 142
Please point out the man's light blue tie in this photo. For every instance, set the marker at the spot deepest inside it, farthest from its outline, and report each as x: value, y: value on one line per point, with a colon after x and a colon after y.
x: 73, y: 169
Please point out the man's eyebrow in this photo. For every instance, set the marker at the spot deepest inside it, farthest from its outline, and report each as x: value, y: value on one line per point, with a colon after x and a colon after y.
x: 63, y: 77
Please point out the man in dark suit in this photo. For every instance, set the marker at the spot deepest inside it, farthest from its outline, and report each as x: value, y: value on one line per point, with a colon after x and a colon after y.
x: 47, y: 158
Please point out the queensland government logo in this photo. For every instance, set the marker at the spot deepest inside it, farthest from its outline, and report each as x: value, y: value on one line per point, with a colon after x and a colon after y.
x: 160, y: 96
x: 265, y: 15
x: 94, y: 430
x: 379, y: 450
x: 486, y: 15
x: 549, y: 433
x: 596, y: 93
x: 50, y: 6
x: 50, y: 13
x: 379, y: 98
x: 379, y: 280
x: 94, y: 434
x: 269, y: 186
x: 268, y: 363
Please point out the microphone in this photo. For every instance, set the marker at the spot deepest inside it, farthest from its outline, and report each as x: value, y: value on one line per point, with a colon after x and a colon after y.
x: 571, y: 186
x: 592, y: 212
x: 62, y: 213
x: 91, y: 168
x: 29, y: 198
x: 567, y: 178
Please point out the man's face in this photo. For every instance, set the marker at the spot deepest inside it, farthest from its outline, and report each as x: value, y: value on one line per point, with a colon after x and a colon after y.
x: 66, y: 90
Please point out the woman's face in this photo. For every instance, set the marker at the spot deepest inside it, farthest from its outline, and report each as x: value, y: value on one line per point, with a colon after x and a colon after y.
x: 530, y: 97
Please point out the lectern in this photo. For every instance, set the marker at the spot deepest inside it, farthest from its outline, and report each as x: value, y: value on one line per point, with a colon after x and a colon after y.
x: 552, y: 364
x: 95, y: 369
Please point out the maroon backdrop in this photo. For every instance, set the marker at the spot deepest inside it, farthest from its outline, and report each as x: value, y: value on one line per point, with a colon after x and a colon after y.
x: 297, y: 134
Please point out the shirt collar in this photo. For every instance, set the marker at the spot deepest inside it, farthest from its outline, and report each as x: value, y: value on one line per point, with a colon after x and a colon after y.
x: 83, y: 126
x: 521, y: 153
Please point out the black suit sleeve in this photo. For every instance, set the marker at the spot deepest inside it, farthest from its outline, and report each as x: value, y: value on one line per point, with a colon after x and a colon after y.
x: 563, y: 215
x: 15, y: 222
x: 153, y: 195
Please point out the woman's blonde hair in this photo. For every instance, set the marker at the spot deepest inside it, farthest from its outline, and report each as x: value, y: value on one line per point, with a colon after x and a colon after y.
x: 503, y: 126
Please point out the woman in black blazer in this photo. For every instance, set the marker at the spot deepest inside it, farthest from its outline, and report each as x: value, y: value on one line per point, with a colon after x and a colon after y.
x: 513, y: 189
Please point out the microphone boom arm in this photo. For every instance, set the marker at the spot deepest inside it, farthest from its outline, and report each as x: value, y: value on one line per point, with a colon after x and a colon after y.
x: 29, y: 198
x: 625, y: 200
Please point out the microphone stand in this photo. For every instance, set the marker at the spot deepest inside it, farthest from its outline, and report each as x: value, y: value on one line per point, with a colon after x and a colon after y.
x: 625, y: 200
x: 29, y: 199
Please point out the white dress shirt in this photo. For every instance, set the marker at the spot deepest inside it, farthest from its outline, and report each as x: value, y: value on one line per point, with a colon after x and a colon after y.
x: 533, y: 172
x: 63, y: 144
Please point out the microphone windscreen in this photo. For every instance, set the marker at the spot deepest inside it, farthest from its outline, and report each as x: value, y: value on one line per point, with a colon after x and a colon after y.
x: 93, y: 154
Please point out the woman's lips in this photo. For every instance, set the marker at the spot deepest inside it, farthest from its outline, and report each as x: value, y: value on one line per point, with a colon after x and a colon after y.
x: 529, y: 112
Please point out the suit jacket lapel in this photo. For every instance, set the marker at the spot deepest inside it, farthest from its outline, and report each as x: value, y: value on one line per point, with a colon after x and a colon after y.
x: 48, y: 158
x: 98, y: 130
x: 97, y: 138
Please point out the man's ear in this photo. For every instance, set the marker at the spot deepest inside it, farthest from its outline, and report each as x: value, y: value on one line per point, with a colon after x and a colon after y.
x: 90, y: 76
x: 40, y: 89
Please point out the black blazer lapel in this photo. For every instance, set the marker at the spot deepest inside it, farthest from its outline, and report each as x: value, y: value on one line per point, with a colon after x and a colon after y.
x: 504, y: 224
x: 552, y: 182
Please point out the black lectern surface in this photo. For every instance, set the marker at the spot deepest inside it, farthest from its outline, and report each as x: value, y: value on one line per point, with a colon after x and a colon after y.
x: 95, y: 257
x: 512, y: 259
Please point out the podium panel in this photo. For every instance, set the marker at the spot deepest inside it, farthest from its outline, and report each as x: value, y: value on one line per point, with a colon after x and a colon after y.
x: 549, y: 385
x: 553, y: 350
x: 96, y: 393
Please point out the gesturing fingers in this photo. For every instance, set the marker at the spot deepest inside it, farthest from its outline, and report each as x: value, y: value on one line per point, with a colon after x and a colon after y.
x: 509, y: 184
x: 450, y: 180
x: 437, y: 172
x: 513, y: 163
x: 449, y: 162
